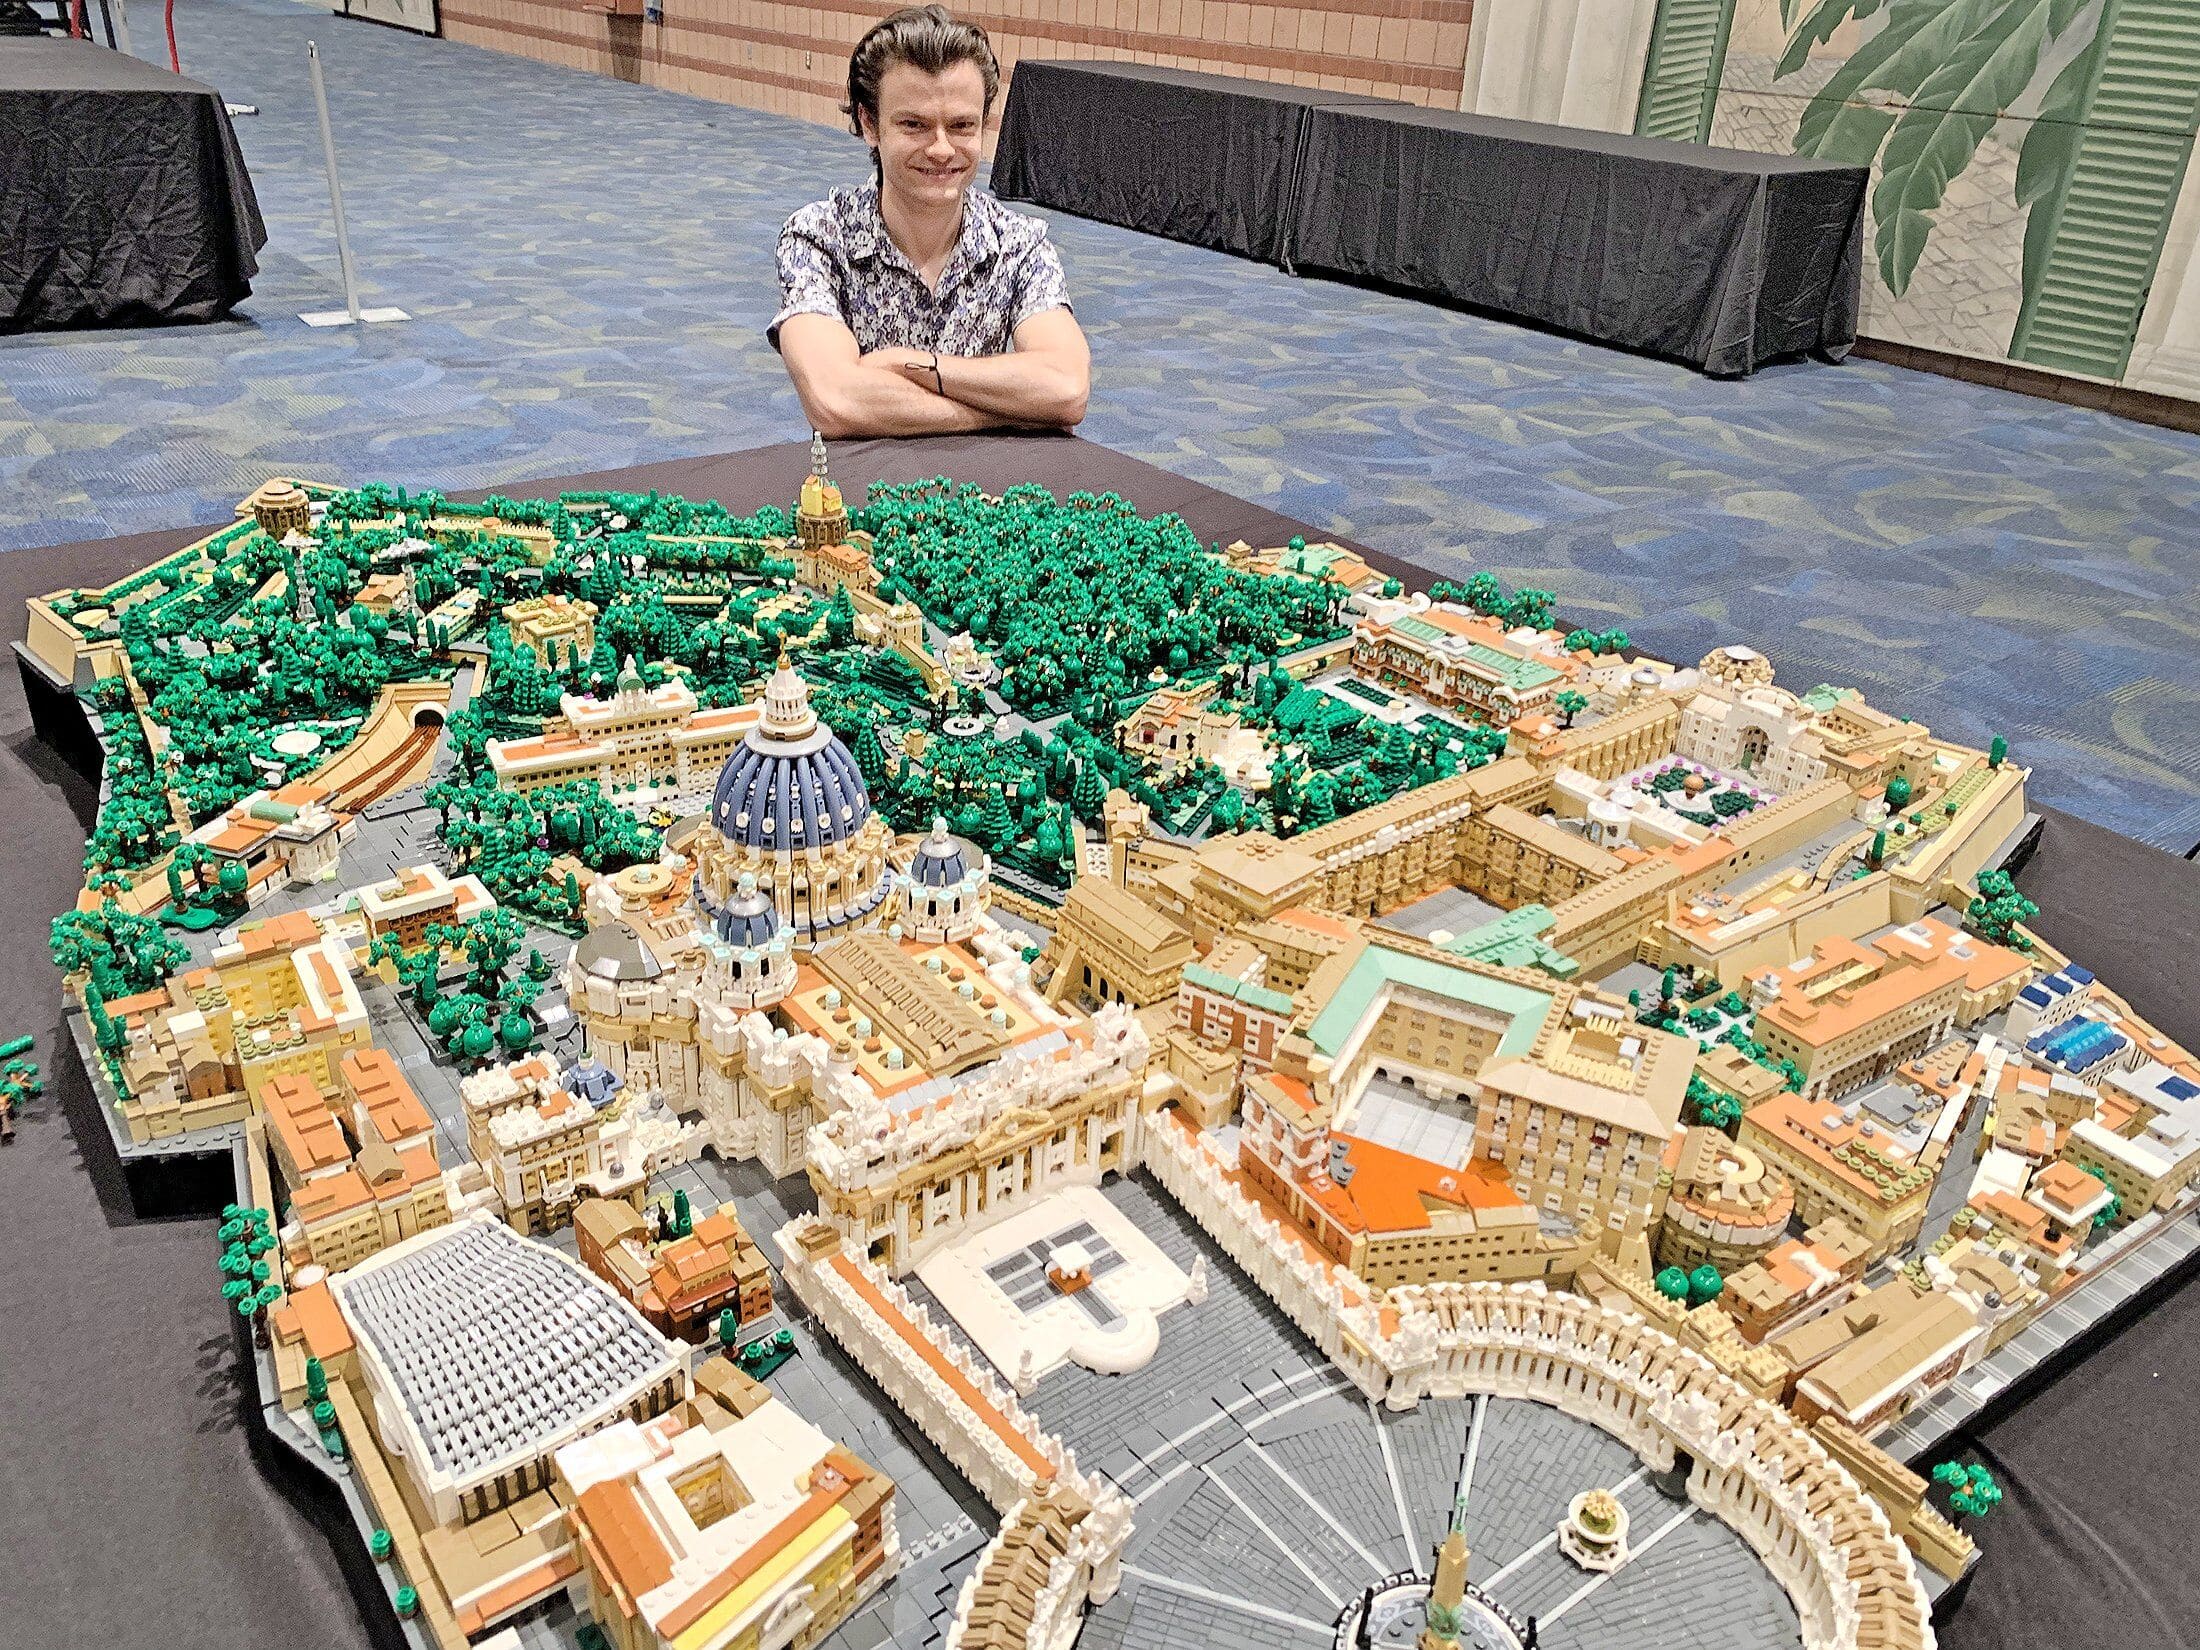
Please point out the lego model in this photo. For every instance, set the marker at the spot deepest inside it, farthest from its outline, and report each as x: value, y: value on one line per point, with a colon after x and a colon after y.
x: 1352, y: 1084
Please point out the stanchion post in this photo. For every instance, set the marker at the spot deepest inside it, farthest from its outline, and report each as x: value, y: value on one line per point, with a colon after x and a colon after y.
x: 335, y: 189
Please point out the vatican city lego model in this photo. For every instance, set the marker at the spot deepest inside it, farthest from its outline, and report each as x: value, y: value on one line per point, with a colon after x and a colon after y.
x: 969, y: 1070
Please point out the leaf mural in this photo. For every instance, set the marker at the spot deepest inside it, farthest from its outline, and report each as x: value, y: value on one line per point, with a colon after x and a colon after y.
x: 1940, y: 133
x: 1928, y: 88
x: 1828, y: 16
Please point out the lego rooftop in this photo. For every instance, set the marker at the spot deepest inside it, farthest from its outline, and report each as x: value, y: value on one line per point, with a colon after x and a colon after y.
x: 1100, y: 824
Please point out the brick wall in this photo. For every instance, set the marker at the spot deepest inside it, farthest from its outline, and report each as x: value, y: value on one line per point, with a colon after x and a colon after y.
x: 793, y: 59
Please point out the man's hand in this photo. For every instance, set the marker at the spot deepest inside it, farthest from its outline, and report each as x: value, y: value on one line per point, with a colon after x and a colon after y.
x: 1041, y: 384
x: 847, y: 393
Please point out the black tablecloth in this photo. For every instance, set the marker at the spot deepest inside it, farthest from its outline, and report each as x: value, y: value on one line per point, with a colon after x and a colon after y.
x: 123, y: 195
x: 1204, y: 158
x: 1718, y: 257
x: 1721, y: 258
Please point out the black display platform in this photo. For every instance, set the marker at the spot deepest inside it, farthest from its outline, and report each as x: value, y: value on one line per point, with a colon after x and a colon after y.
x: 126, y: 1511
x: 123, y: 194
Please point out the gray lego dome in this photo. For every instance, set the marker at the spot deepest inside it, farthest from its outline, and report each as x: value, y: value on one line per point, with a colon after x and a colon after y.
x: 614, y: 951
x: 791, y: 783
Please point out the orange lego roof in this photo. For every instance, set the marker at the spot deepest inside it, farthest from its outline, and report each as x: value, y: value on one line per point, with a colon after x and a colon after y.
x: 1018, y: 1445
x: 327, y: 1336
x: 1392, y: 1191
x: 331, y: 1195
x: 2067, y: 1187
x: 629, y: 1548
x: 284, y: 933
x: 378, y: 1083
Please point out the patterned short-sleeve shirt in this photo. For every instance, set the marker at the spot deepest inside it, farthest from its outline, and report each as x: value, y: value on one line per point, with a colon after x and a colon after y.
x: 835, y: 258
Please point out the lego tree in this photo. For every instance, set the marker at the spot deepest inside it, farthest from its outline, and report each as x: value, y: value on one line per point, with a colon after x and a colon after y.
x: 2108, y: 1211
x: 1998, y: 909
x: 418, y: 968
x: 1672, y: 1283
x: 121, y: 952
x: 729, y: 1330
x: 488, y: 941
x: 1704, y: 1284
x: 1972, y: 1491
x: 1713, y: 1108
x: 1570, y: 705
x: 1998, y: 752
x: 19, y: 1082
x: 1899, y: 791
x: 683, y: 1215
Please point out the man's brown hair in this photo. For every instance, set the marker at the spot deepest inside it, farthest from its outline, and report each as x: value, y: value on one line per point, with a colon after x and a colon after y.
x: 924, y: 37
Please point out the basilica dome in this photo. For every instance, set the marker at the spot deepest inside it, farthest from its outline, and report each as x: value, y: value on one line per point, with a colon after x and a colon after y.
x: 791, y: 832
x: 790, y: 783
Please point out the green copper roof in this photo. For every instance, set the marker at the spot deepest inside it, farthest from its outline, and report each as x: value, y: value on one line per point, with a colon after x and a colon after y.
x: 1378, y: 968
x: 1825, y: 696
x: 1314, y: 559
x: 1521, y: 675
x: 1511, y: 941
x: 1252, y: 996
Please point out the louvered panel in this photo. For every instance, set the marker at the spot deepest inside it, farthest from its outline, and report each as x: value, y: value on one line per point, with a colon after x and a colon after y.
x: 1680, y: 76
x: 2110, y: 215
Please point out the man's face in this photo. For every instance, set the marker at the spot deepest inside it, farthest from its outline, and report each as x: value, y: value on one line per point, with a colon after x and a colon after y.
x: 929, y: 132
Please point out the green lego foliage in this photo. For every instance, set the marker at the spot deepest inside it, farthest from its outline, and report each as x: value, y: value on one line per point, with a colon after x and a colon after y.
x: 1973, y: 1492
x: 1999, y: 909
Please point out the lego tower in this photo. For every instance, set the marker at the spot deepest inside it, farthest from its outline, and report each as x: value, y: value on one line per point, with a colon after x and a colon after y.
x: 822, y: 519
x: 1448, y: 1587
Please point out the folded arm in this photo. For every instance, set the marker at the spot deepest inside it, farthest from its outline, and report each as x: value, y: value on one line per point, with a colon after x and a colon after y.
x: 846, y: 393
x: 1042, y: 383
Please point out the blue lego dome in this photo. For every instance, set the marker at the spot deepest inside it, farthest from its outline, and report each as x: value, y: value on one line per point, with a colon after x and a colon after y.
x: 748, y: 919
x: 791, y: 783
x: 940, y: 861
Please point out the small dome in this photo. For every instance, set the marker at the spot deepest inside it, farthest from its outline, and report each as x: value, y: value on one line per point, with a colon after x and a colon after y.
x: 748, y: 919
x: 940, y: 861
x: 614, y: 951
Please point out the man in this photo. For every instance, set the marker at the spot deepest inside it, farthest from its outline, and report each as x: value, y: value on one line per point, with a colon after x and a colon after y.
x: 920, y: 305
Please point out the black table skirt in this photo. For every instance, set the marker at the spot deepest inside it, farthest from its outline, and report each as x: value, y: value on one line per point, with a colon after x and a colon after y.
x: 1721, y: 258
x: 1204, y: 158
x: 123, y: 195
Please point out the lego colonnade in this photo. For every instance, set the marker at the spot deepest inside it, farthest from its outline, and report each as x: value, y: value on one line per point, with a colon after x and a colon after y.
x: 1062, y: 1533
x: 1752, y: 1465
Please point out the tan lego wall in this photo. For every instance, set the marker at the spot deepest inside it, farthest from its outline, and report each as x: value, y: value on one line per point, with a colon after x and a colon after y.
x: 793, y: 59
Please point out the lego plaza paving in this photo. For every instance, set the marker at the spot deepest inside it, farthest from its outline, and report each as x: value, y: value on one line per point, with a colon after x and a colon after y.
x: 1268, y: 1492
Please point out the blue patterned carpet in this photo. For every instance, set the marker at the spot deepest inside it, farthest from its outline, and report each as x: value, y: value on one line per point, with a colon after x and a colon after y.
x: 590, y: 268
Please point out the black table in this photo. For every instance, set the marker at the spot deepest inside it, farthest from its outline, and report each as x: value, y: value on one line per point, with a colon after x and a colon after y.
x: 1205, y: 158
x: 1721, y: 258
x: 142, y: 1450
x: 123, y: 194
